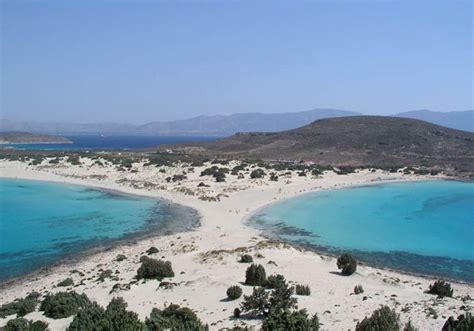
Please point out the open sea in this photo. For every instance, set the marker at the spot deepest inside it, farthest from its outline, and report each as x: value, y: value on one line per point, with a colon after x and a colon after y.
x: 112, y: 142
x: 43, y: 222
x: 419, y: 227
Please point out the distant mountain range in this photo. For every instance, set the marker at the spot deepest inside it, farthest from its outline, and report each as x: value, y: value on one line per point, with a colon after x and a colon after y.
x: 225, y: 125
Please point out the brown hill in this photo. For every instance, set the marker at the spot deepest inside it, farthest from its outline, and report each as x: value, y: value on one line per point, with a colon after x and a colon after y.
x: 356, y: 141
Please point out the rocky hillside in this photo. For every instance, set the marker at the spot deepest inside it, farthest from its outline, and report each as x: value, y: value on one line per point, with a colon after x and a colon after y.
x: 355, y: 141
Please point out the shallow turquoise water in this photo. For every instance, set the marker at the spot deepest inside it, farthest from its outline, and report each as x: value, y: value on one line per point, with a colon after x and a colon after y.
x: 42, y: 222
x: 425, y: 227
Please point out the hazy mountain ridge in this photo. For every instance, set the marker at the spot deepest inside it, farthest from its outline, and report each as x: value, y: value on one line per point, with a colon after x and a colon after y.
x: 356, y: 141
x: 461, y: 120
x: 225, y: 125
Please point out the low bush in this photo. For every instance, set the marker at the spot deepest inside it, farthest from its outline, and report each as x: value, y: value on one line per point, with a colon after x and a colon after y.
x: 358, y: 289
x: 106, y: 274
x: 20, y: 307
x: 441, y: 289
x: 302, y: 290
x: 115, y: 317
x: 152, y: 250
x: 281, y: 320
x: 383, y: 318
x: 409, y: 327
x: 255, y: 275
x: 281, y: 298
x: 257, y: 303
x: 347, y: 264
x: 65, y: 283
x: 462, y: 323
x: 22, y: 324
x: 258, y: 173
x: 120, y: 258
x: 246, y: 259
x: 237, y: 312
x: 174, y: 317
x: 154, y: 269
x: 63, y: 304
x: 274, y: 281
x: 234, y: 292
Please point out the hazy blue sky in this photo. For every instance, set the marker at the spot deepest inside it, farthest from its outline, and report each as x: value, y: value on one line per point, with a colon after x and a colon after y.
x: 139, y: 61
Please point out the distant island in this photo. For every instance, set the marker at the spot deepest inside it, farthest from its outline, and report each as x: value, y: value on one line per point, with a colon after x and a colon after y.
x: 7, y: 138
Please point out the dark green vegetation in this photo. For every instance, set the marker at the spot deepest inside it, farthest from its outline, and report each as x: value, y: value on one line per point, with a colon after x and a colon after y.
x: 152, y: 250
x: 154, y: 269
x: 174, y: 317
x: 462, y: 323
x: 382, y: 319
x: 257, y: 173
x: 234, y: 292
x: 441, y: 289
x: 246, y: 259
x: 22, y: 324
x: 65, y: 283
x: 63, y: 304
x: 114, y: 317
x: 358, y: 289
x: 31, y: 138
x: 20, y: 307
x: 277, y: 307
x: 302, y: 290
x: 274, y: 281
x: 283, y: 320
x: 362, y: 141
x: 347, y: 264
x: 255, y: 275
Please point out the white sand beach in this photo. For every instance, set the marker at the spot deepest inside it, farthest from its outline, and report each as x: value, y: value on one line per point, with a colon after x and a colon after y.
x: 205, y: 260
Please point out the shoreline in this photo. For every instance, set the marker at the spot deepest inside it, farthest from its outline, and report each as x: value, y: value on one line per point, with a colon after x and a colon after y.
x: 205, y: 255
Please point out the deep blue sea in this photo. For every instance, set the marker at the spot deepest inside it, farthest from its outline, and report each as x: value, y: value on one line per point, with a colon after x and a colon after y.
x: 43, y: 222
x: 420, y: 227
x: 113, y: 142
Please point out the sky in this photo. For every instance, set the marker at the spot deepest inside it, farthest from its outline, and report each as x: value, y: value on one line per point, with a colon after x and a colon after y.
x: 142, y: 61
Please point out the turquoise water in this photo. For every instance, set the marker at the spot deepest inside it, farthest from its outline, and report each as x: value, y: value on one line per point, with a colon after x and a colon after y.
x: 43, y: 222
x: 423, y: 227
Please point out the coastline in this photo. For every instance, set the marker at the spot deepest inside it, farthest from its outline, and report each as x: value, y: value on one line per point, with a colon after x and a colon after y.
x: 207, y: 255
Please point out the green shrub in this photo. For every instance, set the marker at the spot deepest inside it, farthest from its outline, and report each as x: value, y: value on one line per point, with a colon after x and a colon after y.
x: 358, y: 289
x: 347, y: 264
x: 258, y: 173
x: 383, y: 318
x: 463, y: 323
x: 441, y: 289
x: 65, y: 283
x: 63, y: 304
x: 38, y: 326
x: 174, y: 317
x: 246, y: 259
x: 115, y: 317
x: 237, y: 312
x: 409, y: 327
x: 281, y: 298
x: 152, y: 250
x: 255, y: 275
x: 257, y: 303
x: 274, y: 281
x: 154, y: 269
x: 120, y: 258
x: 234, y: 292
x: 282, y: 320
x: 302, y: 290
x: 19, y: 324
x: 20, y: 307
x: 106, y: 274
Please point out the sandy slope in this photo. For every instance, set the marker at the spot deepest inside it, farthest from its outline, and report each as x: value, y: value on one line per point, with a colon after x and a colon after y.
x: 205, y: 260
